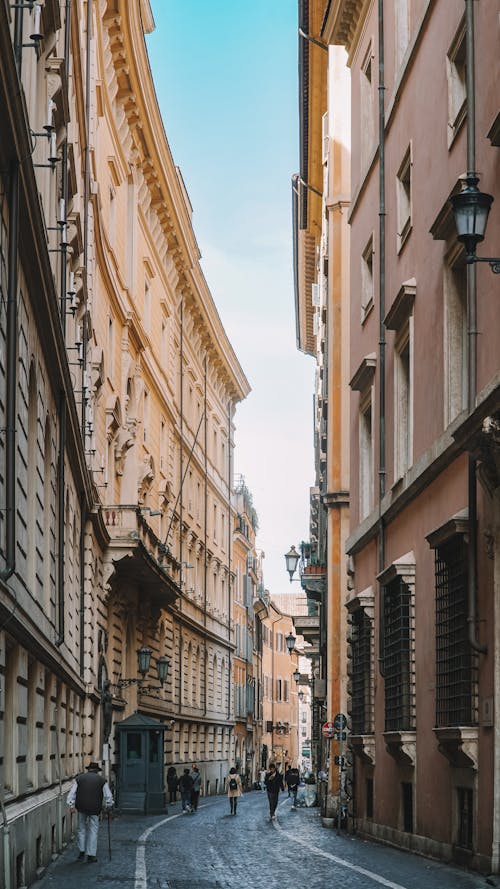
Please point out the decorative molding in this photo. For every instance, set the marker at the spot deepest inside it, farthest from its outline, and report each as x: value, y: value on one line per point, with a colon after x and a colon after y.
x: 458, y: 524
x: 363, y: 377
x: 459, y: 744
x: 402, y: 746
x: 402, y: 307
x: 363, y: 747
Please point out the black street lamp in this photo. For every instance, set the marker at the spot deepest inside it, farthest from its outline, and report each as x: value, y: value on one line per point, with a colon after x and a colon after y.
x: 290, y: 642
x: 301, y: 696
x: 296, y: 675
x: 470, y: 210
x: 292, y: 558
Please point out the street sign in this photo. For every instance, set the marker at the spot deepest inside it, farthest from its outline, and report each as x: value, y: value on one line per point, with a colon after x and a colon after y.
x: 340, y: 736
x: 328, y: 730
x: 339, y: 761
x: 339, y: 722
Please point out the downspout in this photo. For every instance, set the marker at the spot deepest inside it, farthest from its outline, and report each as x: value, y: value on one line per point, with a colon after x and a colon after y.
x: 61, y: 525
x: 10, y: 443
x: 472, y: 337
x: 64, y: 179
x: 382, y: 215
x: 205, y: 531
x: 181, y: 480
x: 83, y: 518
x: 229, y: 553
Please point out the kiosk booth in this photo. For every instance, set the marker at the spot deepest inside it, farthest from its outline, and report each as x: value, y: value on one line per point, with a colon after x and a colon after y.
x: 140, y: 779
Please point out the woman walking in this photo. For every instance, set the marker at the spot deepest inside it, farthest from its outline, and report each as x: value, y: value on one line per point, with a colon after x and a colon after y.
x: 172, y: 783
x: 233, y: 789
x: 274, y: 783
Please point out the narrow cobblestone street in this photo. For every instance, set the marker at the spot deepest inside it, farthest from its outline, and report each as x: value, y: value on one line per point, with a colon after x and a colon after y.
x: 211, y: 849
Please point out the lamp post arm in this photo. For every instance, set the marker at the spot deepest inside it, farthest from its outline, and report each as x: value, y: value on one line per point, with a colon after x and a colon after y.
x: 493, y: 262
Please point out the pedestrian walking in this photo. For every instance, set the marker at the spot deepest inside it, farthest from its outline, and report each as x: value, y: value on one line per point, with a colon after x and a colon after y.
x: 87, y: 795
x: 172, y: 782
x: 234, y: 789
x: 274, y: 783
x: 185, y: 786
x: 195, y: 792
x: 292, y: 781
x: 262, y: 777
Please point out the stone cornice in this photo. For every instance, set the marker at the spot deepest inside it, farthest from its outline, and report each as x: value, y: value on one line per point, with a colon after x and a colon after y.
x: 152, y: 154
x: 344, y: 22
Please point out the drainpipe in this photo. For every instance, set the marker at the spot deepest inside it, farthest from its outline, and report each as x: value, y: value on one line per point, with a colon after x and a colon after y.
x: 10, y: 443
x: 229, y: 544
x: 382, y: 214
x: 472, y: 336
x: 61, y: 523
x: 205, y: 529
x: 83, y: 518
x: 64, y: 176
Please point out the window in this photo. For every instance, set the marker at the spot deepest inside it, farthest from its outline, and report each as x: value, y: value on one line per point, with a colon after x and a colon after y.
x: 163, y: 444
x: 397, y: 652
x: 465, y: 817
x: 145, y: 417
x: 285, y: 690
x: 407, y: 794
x: 365, y: 457
x: 403, y: 199
x: 279, y: 690
x: 112, y: 216
x: 402, y: 25
x: 164, y: 343
x: 367, y: 107
x: 147, y: 305
x: 361, y: 676
x: 397, y: 643
x: 455, y: 661
x: 455, y: 342
x: 403, y: 397
x: 215, y: 523
x: 456, y: 73
x: 367, y: 279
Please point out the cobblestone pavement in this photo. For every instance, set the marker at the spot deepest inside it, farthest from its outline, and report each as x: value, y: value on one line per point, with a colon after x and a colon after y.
x: 213, y: 850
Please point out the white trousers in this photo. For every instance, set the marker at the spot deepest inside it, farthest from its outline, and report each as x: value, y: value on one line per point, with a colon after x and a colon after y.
x: 88, y: 828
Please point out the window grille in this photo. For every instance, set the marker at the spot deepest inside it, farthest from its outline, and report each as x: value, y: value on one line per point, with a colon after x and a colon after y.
x: 361, y: 645
x: 398, y: 659
x: 455, y: 661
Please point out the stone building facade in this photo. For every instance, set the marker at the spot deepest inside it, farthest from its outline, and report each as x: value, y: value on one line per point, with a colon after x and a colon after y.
x: 280, y: 701
x: 423, y: 420
x: 118, y: 389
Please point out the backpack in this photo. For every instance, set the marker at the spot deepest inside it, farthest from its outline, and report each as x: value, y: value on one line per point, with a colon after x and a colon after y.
x: 233, y: 784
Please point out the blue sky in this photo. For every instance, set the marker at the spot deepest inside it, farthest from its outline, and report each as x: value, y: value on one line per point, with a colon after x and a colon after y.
x: 226, y: 79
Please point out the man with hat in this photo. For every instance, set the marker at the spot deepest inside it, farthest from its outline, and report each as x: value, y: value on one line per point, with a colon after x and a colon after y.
x: 86, y: 796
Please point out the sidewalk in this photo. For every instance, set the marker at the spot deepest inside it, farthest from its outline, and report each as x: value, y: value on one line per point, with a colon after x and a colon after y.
x: 66, y: 872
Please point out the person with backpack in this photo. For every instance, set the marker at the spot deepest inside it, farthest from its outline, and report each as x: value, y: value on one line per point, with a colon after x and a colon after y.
x: 185, y: 786
x: 274, y: 783
x: 234, y: 790
x: 195, y: 792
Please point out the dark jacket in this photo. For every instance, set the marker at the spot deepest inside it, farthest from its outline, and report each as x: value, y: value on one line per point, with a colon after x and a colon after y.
x: 292, y: 778
x: 185, y: 784
x: 274, y: 782
x: 172, y: 780
x: 89, y: 793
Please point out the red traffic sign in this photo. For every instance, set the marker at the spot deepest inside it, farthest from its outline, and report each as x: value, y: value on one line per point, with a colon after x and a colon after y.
x: 328, y: 729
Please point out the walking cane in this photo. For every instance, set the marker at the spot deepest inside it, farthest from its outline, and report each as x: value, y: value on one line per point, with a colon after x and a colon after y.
x: 108, y: 816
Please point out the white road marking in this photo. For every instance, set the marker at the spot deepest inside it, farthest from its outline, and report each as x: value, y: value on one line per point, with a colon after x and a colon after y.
x: 141, y: 880
x: 341, y: 861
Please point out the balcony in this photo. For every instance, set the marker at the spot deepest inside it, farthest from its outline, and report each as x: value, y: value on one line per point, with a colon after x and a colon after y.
x: 136, y: 557
x: 307, y: 625
x: 313, y: 581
